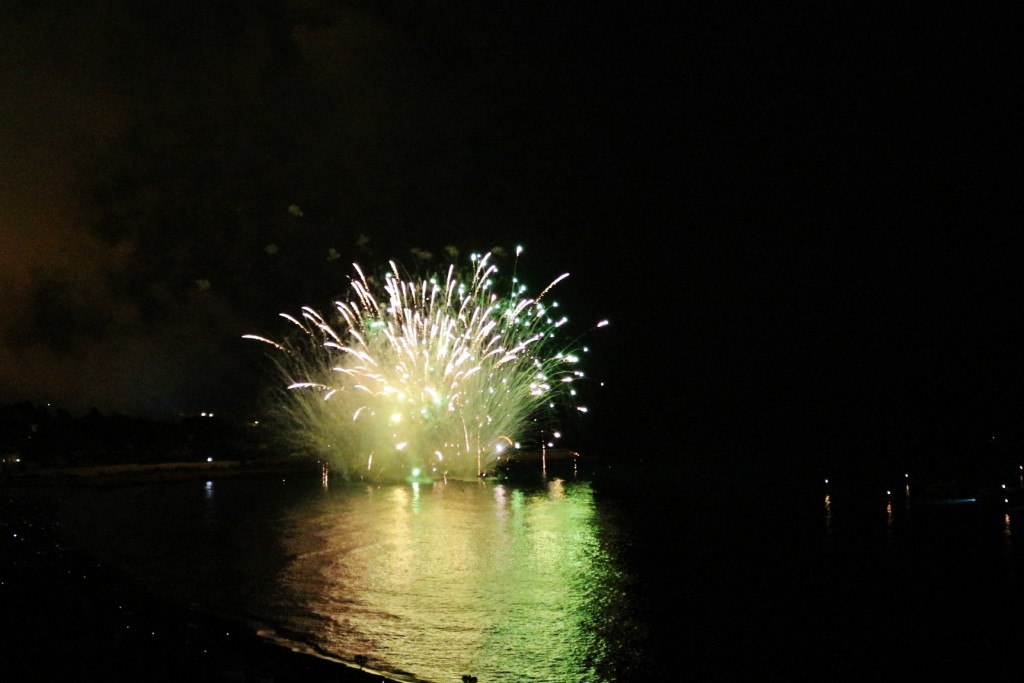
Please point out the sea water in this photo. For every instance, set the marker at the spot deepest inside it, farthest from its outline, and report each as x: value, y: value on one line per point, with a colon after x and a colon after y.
x: 615, y: 577
x: 428, y: 581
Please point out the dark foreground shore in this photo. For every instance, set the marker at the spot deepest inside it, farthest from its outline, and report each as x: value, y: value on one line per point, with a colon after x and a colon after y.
x: 67, y: 616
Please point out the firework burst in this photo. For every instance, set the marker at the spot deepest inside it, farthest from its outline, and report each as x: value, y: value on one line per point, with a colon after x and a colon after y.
x: 440, y: 374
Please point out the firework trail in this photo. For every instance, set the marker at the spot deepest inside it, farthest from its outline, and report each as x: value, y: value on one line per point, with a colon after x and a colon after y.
x: 439, y: 374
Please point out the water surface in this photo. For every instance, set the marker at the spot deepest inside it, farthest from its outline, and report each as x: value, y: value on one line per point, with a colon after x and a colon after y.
x: 623, y: 576
x: 506, y: 582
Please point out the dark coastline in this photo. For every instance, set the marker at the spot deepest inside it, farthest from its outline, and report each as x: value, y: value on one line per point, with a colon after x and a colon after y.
x: 65, y: 612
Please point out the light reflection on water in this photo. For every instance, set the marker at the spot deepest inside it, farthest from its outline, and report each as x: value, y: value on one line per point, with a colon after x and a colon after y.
x: 651, y: 578
x: 428, y: 581
x: 503, y: 583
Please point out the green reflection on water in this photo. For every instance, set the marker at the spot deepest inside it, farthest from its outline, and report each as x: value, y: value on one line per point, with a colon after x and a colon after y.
x: 504, y: 583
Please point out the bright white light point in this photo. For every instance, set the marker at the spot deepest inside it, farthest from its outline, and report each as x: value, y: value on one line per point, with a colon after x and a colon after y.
x: 209, y: 460
x: 603, y: 323
x: 396, y: 418
x: 558, y: 435
x: 400, y: 446
x: 582, y: 409
x: 519, y: 250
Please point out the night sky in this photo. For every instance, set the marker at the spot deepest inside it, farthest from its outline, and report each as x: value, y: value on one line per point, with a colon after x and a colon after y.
x: 804, y: 227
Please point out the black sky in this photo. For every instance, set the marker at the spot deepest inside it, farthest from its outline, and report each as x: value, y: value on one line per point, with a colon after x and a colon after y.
x: 805, y: 227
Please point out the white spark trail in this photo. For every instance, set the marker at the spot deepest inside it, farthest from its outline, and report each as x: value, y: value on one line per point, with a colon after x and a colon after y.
x: 434, y: 373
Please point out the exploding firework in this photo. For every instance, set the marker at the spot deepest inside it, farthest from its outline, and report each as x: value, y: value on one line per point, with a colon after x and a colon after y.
x: 440, y: 374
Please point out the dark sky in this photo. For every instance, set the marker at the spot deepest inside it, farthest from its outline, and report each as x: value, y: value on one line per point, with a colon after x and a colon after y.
x: 805, y: 228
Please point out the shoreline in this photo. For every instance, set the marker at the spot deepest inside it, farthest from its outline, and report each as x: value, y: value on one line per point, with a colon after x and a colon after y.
x: 145, y: 473
x: 69, y: 612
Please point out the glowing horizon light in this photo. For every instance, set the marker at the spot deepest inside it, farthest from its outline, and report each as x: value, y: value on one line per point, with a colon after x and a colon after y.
x: 438, y: 373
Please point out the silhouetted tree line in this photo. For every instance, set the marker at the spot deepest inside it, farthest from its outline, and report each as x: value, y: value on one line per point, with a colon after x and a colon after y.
x: 40, y: 436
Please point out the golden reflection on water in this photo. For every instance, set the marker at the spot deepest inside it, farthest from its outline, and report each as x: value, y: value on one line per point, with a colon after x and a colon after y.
x: 1007, y: 533
x: 460, y: 578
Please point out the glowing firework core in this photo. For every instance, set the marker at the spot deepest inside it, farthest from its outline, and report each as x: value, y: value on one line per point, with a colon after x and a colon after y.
x: 436, y: 374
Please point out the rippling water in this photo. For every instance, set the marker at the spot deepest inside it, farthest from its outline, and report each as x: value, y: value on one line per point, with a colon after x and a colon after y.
x: 508, y: 583
x: 618, y: 578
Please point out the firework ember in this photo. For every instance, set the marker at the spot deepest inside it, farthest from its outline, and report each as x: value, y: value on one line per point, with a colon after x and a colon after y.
x: 439, y: 375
